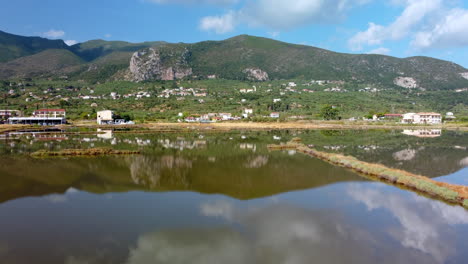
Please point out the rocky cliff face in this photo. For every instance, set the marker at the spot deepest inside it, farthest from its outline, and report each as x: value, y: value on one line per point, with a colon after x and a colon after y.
x: 256, y: 74
x: 155, y: 64
x: 406, y: 82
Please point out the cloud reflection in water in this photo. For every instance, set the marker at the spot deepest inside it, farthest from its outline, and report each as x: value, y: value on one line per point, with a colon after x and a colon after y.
x: 281, y: 233
x: 425, y: 224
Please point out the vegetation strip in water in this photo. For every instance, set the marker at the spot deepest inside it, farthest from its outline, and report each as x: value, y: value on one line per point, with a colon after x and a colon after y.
x: 83, y: 152
x: 457, y: 194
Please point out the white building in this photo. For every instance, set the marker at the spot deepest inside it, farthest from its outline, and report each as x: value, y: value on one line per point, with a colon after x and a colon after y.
x: 450, y: 116
x: 275, y: 115
x: 45, y: 117
x: 105, y: 117
x: 55, y: 113
x: 247, y: 112
x: 422, y: 118
x: 225, y: 116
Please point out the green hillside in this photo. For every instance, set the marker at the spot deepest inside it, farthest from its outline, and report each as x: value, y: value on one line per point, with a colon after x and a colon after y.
x: 44, y: 64
x: 218, y: 73
x: 227, y: 59
x: 94, y: 49
x: 13, y: 46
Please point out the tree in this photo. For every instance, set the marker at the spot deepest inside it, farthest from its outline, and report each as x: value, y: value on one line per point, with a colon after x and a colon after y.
x: 329, y: 112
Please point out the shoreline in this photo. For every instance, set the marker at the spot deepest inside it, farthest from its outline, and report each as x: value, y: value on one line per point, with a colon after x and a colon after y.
x: 226, y: 126
x: 450, y: 193
x: 155, y: 127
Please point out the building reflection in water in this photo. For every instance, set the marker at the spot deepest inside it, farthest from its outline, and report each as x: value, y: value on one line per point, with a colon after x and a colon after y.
x: 423, y: 133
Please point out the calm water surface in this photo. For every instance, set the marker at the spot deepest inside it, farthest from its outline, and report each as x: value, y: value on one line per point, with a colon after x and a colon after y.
x: 223, y: 198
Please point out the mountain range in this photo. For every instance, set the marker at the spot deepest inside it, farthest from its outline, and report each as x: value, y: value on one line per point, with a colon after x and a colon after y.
x: 239, y: 58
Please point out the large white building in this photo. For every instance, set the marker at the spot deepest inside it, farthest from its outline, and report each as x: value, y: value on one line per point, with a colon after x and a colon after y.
x: 422, y: 118
x: 49, y: 113
x: 105, y: 117
x: 45, y: 117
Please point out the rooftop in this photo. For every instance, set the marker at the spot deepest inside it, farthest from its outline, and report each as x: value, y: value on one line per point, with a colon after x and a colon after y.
x: 50, y: 110
x: 428, y: 113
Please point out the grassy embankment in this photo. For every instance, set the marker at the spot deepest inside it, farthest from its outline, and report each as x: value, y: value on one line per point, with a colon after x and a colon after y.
x: 455, y: 194
x: 276, y: 125
x: 226, y: 126
x: 82, y: 152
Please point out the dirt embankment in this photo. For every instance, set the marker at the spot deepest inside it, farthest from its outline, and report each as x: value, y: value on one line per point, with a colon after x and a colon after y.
x: 92, y: 152
x: 226, y: 126
x: 455, y: 194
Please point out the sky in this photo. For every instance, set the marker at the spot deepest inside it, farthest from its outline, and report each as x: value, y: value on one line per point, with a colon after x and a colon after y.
x: 401, y: 28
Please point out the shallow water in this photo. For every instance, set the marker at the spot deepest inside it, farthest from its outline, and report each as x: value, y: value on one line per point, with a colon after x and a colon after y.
x: 212, y: 197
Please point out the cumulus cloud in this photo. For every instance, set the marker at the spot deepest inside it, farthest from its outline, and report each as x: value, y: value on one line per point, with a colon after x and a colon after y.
x: 54, y: 33
x: 427, y: 23
x: 451, y: 31
x: 219, y: 24
x: 280, y: 15
x: 414, y: 13
x: 71, y: 42
x: 208, y: 2
x: 381, y: 50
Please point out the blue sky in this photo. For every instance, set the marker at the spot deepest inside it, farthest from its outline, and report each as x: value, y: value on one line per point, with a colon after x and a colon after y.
x: 401, y: 28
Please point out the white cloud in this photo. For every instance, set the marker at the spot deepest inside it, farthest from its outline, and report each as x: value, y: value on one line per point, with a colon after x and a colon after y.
x: 381, y: 50
x: 372, y: 36
x: 107, y: 35
x: 71, y: 42
x: 450, y: 31
x: 415, y: 13
x: 427, y: 23
x: 219, y: 24
x: 274, y: 34
x: 280, y: 15
x: 54, y: 33
x: 195, y: 2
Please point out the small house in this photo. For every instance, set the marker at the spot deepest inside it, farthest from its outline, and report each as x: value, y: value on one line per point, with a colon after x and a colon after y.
x: 449, y: 116
x: 105, y: 117
x: 225, y: 116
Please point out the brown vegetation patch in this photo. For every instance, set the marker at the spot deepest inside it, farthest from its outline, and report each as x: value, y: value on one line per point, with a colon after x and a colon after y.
x: 456, y: 194
x: 83, y: 152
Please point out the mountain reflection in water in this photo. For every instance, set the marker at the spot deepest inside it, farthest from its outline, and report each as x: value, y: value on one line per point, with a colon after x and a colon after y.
x: 245, y: 177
